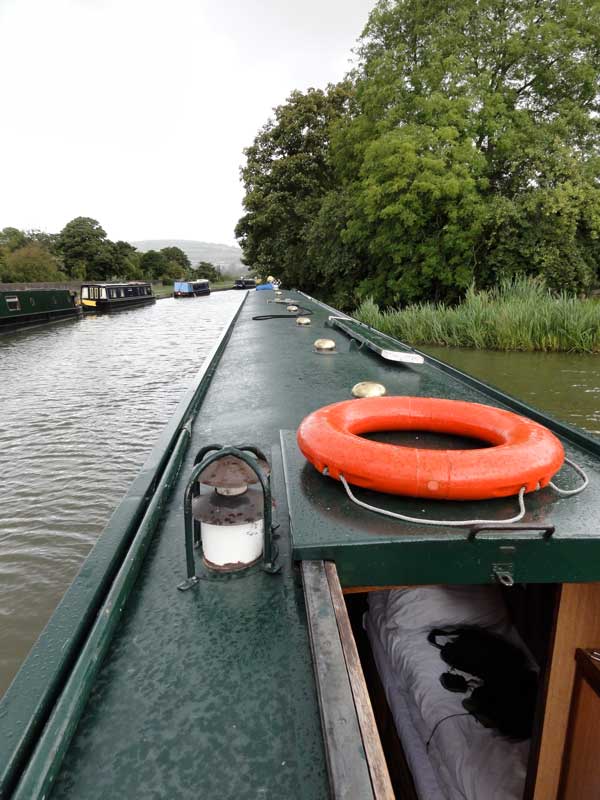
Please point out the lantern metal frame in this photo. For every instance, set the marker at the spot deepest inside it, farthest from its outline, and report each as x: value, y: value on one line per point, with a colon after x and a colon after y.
x: 204, y: 458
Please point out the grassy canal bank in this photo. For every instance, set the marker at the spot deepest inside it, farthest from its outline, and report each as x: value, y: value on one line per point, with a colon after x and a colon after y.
x: 521, y: 314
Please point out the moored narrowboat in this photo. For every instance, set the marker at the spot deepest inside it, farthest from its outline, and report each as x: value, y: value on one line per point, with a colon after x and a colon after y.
x: 245, y: 283
x: 99, y: 297
x: 251, y: 625
x: 25, y: 307
x: 194, y: 288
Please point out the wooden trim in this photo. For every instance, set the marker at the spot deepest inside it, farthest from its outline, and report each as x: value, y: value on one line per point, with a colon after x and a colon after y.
x: 380, y: 778
x: 400, y: 774
x: 577, y: 625
x: 579, y: 778
x: 366, y: 589
x: 349, y: 776
x: 579, y: 679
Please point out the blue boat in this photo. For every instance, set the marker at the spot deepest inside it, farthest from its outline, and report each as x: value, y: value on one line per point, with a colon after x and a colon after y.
x: 191, y: 288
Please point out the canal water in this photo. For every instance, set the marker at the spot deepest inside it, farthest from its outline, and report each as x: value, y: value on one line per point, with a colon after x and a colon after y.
x: 565, y: 385
x: 82, y: 404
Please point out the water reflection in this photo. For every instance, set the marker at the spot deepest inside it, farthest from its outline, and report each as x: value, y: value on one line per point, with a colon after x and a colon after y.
x: 82, y: 405
x: 566, y: 385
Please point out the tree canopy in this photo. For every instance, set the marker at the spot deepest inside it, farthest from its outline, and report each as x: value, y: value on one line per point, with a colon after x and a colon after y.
x: 32, y: 262
x: 86, y: 251
x: 177, y: 255
x: 81, y: 251
x: 204, y: 269
x: 463, y: 148
x: 286, y: 175
x: 153, y: 263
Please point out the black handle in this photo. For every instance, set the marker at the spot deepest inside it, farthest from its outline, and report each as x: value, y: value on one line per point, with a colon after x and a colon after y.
x: 548, y: 530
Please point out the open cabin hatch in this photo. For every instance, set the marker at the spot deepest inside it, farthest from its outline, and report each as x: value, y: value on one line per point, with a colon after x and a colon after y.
x: 554, y: 621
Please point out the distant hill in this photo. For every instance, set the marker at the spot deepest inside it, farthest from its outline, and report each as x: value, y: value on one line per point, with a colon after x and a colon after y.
x: 227, y: 258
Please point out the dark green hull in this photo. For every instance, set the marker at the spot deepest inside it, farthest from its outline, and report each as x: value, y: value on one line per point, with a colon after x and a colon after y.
x: 25, y: 308
x: 135, y: 689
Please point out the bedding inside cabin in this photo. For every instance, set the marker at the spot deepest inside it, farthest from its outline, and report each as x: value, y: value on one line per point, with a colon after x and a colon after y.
x: 451, y: 755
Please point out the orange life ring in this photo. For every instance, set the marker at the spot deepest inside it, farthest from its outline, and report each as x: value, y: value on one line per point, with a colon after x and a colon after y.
x: 524, y: 453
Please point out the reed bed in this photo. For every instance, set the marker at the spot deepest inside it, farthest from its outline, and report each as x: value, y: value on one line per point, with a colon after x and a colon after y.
x: 518, y: 314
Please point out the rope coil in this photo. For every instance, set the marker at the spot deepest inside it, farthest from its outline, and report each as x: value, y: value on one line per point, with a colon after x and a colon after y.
x: 570, y: 492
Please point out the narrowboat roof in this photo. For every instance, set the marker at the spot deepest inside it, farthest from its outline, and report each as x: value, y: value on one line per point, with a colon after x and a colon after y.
x: 34, y: 290
x: 213, y: 691
x: 122, y: 283
x: 62, y: 293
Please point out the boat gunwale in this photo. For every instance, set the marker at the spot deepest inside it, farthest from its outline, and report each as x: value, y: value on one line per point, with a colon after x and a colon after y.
x: 46, y: 758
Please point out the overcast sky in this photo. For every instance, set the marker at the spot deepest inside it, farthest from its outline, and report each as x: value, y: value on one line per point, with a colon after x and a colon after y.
x: 135, y: 112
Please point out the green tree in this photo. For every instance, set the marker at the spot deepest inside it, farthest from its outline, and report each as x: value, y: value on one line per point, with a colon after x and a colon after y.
x: 154, y: 264
x: 11, y: 239
x: 172, y: 272
x: 467, y: 149
x: 336, y: 257
x: 31, y: 263
x: 205, y: 269
x: 127, y: 261
x: 86, y: 251
x: 49, y: 241
x: 286, y: 175
x: 491, y: 108
x: 177, y: 255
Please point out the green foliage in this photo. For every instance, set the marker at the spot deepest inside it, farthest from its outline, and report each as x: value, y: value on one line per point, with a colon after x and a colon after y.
x: 11, y: 239
x: 205, y: 269
x: 32, y: 262
x: 153, y: 264
x: 421, y: 213
x: 464, y: 148
x: 49, y: 241
x: 177, y: 255
x: 86, y: 251
x: 126, y: 262
x: 337, y: 258
x: 171, y: 272
x: 287, y: 173
x: 81, y: 251
x: 519, y: 314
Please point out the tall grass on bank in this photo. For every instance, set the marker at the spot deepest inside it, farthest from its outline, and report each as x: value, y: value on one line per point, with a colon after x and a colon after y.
x: 519, y: 314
